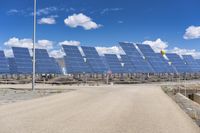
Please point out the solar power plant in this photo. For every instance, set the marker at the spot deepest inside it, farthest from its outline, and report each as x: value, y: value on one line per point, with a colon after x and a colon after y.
x: 128, y: 66
x: 12, y: 65
x: 170, y: 66
x: 140, y: 64
x: 114, y: 64
x: 45, y: 64
x: 156, y: 62
x: 94, y: 60
x: 23, y: 60
x: 4, y: 67
x: 178, y: 63
x: 74, y: 61
x: 192, y: 63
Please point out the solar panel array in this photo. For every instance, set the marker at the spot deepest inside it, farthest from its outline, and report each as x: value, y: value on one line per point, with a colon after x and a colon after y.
x: 4, y: 69
x: 45, y: 64
x: 140, y: 64
x: 94, y: 60
x: 156, y: 62
x: 178, y: 63
x: 114, y: 64
x: 193, y: 64
x: 79, y: 60
x: 74, y: 61
x: 23, y: 60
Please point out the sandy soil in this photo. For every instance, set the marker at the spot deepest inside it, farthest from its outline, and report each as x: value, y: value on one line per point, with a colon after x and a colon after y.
x: 103, y: 109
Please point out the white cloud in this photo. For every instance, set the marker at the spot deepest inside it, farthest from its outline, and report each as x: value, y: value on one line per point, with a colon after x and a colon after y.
x: 15, y: 12
x: 46, y: 11
x: 81, y: 20
x: 109, y: 50
x: 8, y: 53
x: 47, y: 20
x: 56, y: 53
x: 192, y: 32
x: 110, y: 9
x: 157, y: 45
x: 16, y: 42
x: 73, y: 43
x: 27, y: 43
x: 45, y: 44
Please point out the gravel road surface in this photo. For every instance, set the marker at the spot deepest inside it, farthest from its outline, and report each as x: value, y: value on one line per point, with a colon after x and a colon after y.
x: 106, y: 109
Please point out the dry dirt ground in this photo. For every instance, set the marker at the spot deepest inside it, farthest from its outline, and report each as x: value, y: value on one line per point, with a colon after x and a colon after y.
x: 100, y: 109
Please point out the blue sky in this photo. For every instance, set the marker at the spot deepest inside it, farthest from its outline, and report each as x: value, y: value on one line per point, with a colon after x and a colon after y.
x: 109, y: 22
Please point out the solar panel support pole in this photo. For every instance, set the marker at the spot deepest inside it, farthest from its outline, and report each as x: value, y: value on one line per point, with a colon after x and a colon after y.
x: 34, y: 41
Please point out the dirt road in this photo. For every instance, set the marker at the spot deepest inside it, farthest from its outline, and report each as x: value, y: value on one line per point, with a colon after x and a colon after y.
x: 113, y: 109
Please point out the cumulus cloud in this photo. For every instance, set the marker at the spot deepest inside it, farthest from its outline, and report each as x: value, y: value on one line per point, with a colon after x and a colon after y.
x: 27, y: 43
x: 16, y: 42
x: 81, y: 20
x: 157, y: 45
x: 47, y: 20
x: 45, y: 44
x: 73, y: 43
x: 56, y: 53
x: 109, y: 50
x: 192, y: 32
x: 8, y: 53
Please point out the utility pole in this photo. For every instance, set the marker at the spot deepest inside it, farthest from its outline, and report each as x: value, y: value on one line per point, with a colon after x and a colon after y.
x: 34, y: 41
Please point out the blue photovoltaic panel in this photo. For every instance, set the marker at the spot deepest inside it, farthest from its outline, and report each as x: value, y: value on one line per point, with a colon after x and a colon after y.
x: 23, y: 60
x: 45, y: 64
x: 114, y: 63
x: 170, y: 67
x: 156, y: 62
x: 12, y: 66
x: 192, y: 63
x: 74, y: 61
x: 178, y: 63
x: 140, y: 64
x: 4, y: 67
x: 94, y: 60
x: 128, y: 66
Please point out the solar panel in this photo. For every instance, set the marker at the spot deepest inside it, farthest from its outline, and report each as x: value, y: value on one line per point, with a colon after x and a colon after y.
x: 156, y: 62
x: 192, y: 63
x: 114, y: 64
x: 140, y: 64
x: 74, y: 61
x: 12, y: 66
x: 128, y: 66
x: 94, y: 60
x: 178, y: 63
x: 45, y: 64
x: 4, y: 67
x: 170, y: 66
x: 23, y: 60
